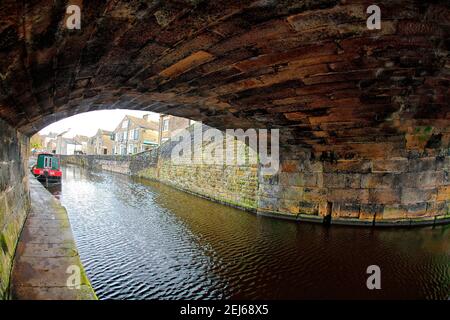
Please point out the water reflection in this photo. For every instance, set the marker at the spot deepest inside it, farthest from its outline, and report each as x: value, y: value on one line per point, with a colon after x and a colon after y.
x: 55, y: 189
x: 141, y: 239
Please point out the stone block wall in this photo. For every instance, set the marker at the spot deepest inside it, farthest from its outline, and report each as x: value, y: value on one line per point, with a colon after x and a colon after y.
x: 391, y: 190
x: 14, y: 197
x: 114, y: 163
x: 233, y: 185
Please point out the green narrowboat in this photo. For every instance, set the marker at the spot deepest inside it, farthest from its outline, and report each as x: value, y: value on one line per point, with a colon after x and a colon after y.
x: 47, y: 168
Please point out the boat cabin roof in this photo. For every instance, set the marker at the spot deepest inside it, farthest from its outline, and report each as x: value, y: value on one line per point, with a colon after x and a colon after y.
x: 46, y: 154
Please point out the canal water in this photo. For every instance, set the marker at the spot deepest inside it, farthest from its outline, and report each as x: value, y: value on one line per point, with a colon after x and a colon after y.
x: 144, y: 240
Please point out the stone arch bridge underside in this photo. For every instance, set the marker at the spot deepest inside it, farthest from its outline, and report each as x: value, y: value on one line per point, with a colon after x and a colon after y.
x: 363, y: 114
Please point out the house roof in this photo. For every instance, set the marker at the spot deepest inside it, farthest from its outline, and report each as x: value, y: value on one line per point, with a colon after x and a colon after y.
x: 71, y: 141
x: 140, y: 122
x: 105, y: 131
x: 50, y: 135
x: 81, y: 138
x: 100, y: 132
x: 152, y: 125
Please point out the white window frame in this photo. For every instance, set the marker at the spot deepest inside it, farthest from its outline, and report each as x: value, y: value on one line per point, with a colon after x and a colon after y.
x: 131, y: 134
x: 48, y: 162
x: 165, y: 125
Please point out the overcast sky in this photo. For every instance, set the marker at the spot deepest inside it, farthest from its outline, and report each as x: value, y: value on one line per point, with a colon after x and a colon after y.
x: 88, y: 123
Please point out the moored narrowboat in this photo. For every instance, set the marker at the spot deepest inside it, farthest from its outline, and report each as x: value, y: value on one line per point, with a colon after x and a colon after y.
x: 47, y: 168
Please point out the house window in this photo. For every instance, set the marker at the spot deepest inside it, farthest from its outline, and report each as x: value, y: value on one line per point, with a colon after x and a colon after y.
x: 165, y: 125
x: 125, y: 124
x: 135, y: 150
x: 130, y: 148
x: 136, y: 134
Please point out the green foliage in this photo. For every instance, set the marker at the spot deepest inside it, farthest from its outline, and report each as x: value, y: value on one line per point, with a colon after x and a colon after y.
x: 3, y: 244
x: 36, y: 145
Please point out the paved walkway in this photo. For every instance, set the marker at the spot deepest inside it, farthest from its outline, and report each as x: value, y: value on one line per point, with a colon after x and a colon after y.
x: 46, y: 259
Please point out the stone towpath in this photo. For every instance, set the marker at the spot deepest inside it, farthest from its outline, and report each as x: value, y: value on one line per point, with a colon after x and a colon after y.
x: 47, y: 265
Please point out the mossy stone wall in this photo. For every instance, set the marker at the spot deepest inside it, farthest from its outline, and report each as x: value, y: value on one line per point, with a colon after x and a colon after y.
x: 14, y: 197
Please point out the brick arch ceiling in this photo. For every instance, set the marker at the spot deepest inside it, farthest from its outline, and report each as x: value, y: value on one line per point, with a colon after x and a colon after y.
x: 309, y: 67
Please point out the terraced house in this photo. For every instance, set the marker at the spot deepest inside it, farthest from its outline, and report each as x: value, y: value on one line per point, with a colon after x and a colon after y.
x: 101, y: 142
x: 170, y: 125
x: 134, y: 135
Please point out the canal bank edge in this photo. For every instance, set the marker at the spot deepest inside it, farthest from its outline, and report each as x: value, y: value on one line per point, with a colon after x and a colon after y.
x: 46, y: 256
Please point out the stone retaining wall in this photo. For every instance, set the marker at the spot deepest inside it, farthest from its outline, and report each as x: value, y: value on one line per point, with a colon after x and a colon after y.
x: 14, y: 197
x: 388, y: 190
x: 116, y: 163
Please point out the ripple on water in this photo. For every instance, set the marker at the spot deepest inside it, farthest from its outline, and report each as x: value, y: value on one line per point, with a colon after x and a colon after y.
x: 144, y: 240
